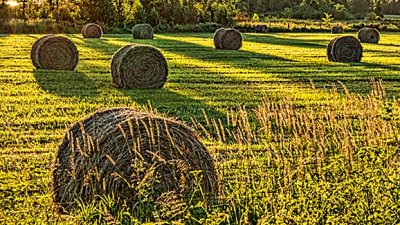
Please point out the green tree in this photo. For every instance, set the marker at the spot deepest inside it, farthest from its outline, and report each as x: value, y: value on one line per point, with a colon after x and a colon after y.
x: 327, y: 20
x: 378, y: 8
x: 360, y: 8
x: 98, y: 11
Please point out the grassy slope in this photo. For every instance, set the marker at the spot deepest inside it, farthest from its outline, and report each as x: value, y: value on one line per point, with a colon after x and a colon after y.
x: 37, y: 106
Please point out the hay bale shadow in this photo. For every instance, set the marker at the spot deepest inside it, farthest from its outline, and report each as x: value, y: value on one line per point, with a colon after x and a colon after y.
x: 173, y: 104
x: 296, y: 42
x: 377, y: 65
x: 165, y: 100
x: 66, y: 83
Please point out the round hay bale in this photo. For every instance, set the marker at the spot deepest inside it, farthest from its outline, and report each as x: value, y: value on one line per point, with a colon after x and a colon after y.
x: 92, y: 30
x: 139, y: 66
x: 337, y: 30
x: 345, y: 49
x: 120, y: 152
x: 261, y: 28
x: 369, y: 35
x: 52, y: 52
x: 143, y: 31
x: 229, y: 39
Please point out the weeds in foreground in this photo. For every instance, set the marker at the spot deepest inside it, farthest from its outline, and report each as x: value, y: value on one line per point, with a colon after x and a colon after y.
x: 282, y: 163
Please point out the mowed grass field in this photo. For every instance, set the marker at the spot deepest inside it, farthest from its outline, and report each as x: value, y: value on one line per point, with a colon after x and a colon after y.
x: 37, y: 106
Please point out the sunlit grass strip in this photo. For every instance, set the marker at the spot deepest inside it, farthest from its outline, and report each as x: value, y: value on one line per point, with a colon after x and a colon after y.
x: 35, y: 110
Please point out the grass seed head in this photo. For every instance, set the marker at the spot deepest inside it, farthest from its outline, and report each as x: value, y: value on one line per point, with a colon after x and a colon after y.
x: 130, y: 164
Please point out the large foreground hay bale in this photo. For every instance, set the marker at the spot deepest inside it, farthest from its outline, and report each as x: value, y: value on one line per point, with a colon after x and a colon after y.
x: 139, y: 66
x: 92, y: 30
x: 337, y: 30
x: 229, y: 39
x: 120, y: 152
x: 345, y: 49
x: 143, y: 31
x: 54, y: 53
x: 369, y: 35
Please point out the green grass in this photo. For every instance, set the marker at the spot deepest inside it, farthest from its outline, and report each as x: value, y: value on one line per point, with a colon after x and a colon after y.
x: 37, y: 106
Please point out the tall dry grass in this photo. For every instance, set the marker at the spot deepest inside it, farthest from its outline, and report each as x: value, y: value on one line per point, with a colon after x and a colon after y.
x: 335, y: 162
x: 285, y: 163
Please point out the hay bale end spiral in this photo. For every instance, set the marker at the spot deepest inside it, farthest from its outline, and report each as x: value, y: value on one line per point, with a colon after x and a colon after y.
x: 139, y: 66
x: 228, y: 39
x: 345, y: 49
x: 52, y: 52
x: 120, y: 152
x: 369, y: 35
x: 92, y: 30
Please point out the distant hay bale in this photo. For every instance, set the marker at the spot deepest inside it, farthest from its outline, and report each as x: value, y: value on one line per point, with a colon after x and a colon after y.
x: 92, y: 30
x: 143, y: 31
x: 369, y: 35
x: 139, y: 66
x: 52, y: 52
x: 337, y: 30
x: 229, y: 39
x: 114, y: 151
x: 261, y: 28
x: 345, y: 49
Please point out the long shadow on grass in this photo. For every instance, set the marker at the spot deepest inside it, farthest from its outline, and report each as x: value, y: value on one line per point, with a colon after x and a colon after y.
x: 259, y: 63
x: 174, y: 104
x: 201, y: 91
x: 249, y: 60
x: 238, y: 59
x: 391, y: 45
x: 185, y: 105
x: 292, y: 71
x: 165, y: 101
x: 379, y: 51
x: 333, y: 72
x: 66, y: 83
x: 376, y: 65
x: 242, y: 59
x: 274, y: 40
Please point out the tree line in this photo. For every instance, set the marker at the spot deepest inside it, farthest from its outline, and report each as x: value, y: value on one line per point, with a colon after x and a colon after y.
x: 155, y: 12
